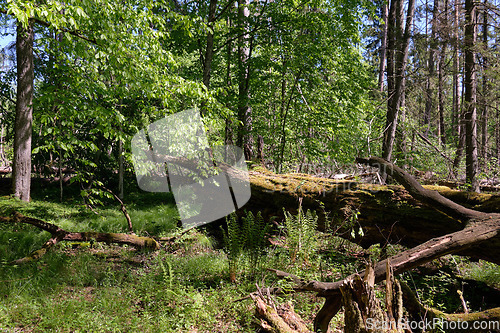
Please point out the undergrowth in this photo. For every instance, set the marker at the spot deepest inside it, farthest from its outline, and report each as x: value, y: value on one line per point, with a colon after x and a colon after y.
x: 190, y: 285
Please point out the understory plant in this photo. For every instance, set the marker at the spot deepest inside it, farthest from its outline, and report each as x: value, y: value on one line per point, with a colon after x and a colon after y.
x: 245, y: 240
x: 301, y: 234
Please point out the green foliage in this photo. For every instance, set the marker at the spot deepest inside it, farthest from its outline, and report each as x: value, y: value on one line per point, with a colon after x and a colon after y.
x: 183, y: 287
x: 484, y: 271
x: 301, y: 235
x: 245, y: 241
x: 113, y: 288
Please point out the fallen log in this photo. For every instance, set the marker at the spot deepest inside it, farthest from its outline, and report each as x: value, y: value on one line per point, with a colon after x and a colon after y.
x: 420, y: 312
x: 386, y: 213
x: 475, y: 230
x: 58, y: 234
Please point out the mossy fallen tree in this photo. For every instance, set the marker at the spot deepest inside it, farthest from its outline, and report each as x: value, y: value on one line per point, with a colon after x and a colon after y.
x: 420, y: 311
x: 58, y: 234
x: 477, y: 231
x: 386, y: 213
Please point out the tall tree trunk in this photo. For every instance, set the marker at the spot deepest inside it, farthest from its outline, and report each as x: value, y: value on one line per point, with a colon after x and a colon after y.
x: 245, y: 139
x: 383, y: 46
x: 429, y: 94
x: 441, y: 103
x: 209, y: 50
x: 497, y: 132
x: 456, y: 70
x: 121, y: 171
x: 397, y: 53
x: 228, y: 135
x: 441, y: 75
x: 21, y: 169
x: 484, y: 111
x: 207, y: 57
x: 470, y: 95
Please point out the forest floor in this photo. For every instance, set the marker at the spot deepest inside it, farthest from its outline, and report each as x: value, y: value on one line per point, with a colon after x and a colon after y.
x: 186, y: 286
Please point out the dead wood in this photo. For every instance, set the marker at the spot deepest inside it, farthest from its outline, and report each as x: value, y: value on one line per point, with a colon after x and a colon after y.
x: 363, y: 311
x: 477, y: 229
x: 430, y: 197
x: 419, y: 311
x: 399, y: 263
x: 386, y: 213
x: 58, y: 234
x: 122, y: 208
x: 281, y: 319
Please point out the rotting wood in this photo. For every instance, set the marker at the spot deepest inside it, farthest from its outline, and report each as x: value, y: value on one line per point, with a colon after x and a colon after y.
x: 58, y: 234
x: 477, y: 228
x: 282, y: 319
x: 419, y: 311
x: 361, y: 304
x: 386, y: 213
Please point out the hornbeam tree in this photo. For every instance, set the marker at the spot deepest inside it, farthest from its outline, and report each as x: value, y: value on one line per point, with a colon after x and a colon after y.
x: 21, y: 167
x: 27, y: 14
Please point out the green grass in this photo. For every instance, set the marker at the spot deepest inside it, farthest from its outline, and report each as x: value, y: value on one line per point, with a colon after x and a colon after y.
x: 184, y: 287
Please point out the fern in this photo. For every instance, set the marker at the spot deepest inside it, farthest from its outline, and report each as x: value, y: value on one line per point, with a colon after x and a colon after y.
x: 301, y: 234
x: 255, y: 231
x: 247, y: 239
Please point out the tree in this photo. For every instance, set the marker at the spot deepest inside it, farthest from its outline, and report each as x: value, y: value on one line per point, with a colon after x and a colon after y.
x: 383, y: 46
x: 21, y: 168
x: 443, y: 23
x: 474, y: 230
x: 485, y: 89
x: 470, y: 95
x: 27, y: 14
x: 432, y: 49
x: 398, y: 41
x: 245, y: 47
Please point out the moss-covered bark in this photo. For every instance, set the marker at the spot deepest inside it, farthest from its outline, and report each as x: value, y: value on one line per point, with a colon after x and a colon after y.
x: 478, y: 234
x: 387, y: 213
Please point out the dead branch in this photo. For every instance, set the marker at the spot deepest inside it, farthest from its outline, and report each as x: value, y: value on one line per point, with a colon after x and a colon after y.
x: 432, y: 198
x: 122, y: 208
x: 58, y: 234
x: 418, y: 310
x: 478, y: 228
x: 281, y: 320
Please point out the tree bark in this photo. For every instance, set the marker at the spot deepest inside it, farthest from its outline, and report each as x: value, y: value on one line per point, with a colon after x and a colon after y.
x: 497, y: 132
x: 387, y: 214
x: 245, y: 139
x: 228, y: 132
x: 383, y: 47
x: 280, y: 320
x: 486, y: 88
x: 397, y: 52
x: 21, y: 168
x: 429, y: 95
x: 456, y: 69
x: 209, y: 49
x: 442, y: 75
x: 470, y: 96
x: 360, y: 303
x: 477, y: 229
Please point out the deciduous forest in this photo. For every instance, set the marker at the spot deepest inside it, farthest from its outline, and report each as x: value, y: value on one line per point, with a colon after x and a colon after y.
x: 368, y: 135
